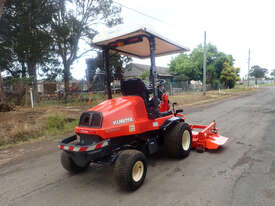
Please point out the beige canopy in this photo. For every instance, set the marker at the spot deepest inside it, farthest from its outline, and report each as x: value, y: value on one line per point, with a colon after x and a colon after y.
x: 140, y: 49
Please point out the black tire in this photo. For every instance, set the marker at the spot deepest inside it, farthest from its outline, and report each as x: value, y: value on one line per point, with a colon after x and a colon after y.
x: 124, y: 169
x: 173, y: 140
x: 69, y: 165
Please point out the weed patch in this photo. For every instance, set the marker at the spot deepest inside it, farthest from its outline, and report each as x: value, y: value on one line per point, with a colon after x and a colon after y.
x: 59, y: 124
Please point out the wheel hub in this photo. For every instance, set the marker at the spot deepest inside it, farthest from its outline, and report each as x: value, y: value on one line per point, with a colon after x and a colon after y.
x: 137, y: 171
x: 185, y: 140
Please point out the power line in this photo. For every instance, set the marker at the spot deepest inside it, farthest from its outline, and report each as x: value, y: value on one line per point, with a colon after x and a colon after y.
x: 139, y: 12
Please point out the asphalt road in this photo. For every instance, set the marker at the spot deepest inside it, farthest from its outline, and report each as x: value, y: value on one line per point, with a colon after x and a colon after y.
x: 241, y: 173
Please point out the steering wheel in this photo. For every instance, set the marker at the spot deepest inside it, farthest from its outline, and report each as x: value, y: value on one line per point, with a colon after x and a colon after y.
x: 160, y: 82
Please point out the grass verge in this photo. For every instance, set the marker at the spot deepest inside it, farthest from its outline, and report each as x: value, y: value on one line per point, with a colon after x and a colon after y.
x: 48, y: 121
x: 26, y: 124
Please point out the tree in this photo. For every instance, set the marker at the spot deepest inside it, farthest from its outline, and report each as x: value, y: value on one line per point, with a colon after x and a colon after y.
x: 6, y: 59
x: 272, y: 73
x: 185, y: 68
x: 257, y: 72
x: 214, y: 62
x: 2, y: 2
x: 145, y: 75
x: 117, y: 64
x: 75, y: 21
x: 2, y: 93
x: 190, y: 66
x: 229, y: 75
x: 27, y: 36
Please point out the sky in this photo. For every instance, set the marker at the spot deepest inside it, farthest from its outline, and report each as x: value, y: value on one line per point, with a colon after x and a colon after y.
x: 232, y: 26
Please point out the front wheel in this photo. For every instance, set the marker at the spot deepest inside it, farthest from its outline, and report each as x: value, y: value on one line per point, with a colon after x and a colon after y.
x: 178, y: 140
x: 130, y: 169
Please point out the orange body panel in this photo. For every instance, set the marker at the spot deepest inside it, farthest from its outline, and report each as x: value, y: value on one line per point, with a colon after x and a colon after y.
x: 127, y: 115
x: 164, y: 105
x: 123, y: 116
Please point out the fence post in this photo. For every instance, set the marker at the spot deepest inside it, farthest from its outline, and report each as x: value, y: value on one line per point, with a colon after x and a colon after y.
x: 31, y: 97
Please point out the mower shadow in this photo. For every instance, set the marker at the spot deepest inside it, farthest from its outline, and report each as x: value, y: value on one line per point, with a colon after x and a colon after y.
x: 96, y: 178
x: 160, y: 157
x: 221, y: 149
x: 100, y: 178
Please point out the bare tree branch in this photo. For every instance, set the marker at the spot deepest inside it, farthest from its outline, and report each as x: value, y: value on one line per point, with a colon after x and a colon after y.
x: 85, y: 53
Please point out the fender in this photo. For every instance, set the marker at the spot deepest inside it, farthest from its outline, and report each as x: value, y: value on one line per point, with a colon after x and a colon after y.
x: 170, y: 122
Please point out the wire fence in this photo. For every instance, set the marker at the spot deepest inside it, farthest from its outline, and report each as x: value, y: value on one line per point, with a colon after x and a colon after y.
x: 179, y: 87
x: 257, y: 82
x: 18, y: 93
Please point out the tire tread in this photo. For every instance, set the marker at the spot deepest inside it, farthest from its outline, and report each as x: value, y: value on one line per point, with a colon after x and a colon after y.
x: 123, y: 169
x: 172, y: 140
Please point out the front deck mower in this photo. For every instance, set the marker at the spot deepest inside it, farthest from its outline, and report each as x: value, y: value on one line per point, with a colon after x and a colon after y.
x: 123, y: 131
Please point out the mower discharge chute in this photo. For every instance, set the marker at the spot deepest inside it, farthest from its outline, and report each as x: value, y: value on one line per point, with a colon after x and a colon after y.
x: 124, y: 130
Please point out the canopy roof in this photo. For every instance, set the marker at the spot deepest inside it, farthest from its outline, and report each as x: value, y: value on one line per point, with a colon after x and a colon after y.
x: 139, y: 49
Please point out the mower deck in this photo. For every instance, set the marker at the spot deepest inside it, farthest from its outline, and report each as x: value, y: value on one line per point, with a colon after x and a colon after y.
x: 207, y: 137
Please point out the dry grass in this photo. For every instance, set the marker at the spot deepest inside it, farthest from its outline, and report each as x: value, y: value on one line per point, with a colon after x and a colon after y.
x: 54, y: 120
x: 46, y: 120
x: 25, y: 123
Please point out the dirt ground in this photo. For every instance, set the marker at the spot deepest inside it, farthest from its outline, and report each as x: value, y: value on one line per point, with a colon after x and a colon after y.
x: 240, y: 173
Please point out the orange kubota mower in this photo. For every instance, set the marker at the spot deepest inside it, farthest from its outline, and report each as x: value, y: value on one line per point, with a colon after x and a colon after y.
x: 124, y: 130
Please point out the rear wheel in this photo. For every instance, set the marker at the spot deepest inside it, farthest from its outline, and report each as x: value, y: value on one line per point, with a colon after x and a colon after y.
x: 178, y: 140
x: 130, y: 169
x: 69, y: 165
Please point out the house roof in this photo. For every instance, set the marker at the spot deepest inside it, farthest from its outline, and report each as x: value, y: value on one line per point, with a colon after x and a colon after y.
x: 134, y: 70
x: 139, y: 49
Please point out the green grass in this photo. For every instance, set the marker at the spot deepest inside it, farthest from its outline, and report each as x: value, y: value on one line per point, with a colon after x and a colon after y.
x: 59, y: 124
x: 238, y: 89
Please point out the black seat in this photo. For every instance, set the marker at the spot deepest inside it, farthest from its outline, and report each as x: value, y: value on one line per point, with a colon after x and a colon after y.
x: 134, y: 87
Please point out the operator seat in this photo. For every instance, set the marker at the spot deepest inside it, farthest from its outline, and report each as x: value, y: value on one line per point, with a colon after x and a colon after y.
x: 134, y: 87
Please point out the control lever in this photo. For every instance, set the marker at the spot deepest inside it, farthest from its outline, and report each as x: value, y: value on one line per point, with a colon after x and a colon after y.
x: 173, y: 105
x: 179, y: 111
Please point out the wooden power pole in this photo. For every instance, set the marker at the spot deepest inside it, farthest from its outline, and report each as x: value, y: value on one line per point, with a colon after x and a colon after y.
x: 204, y: 65
x: 248, y: 66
